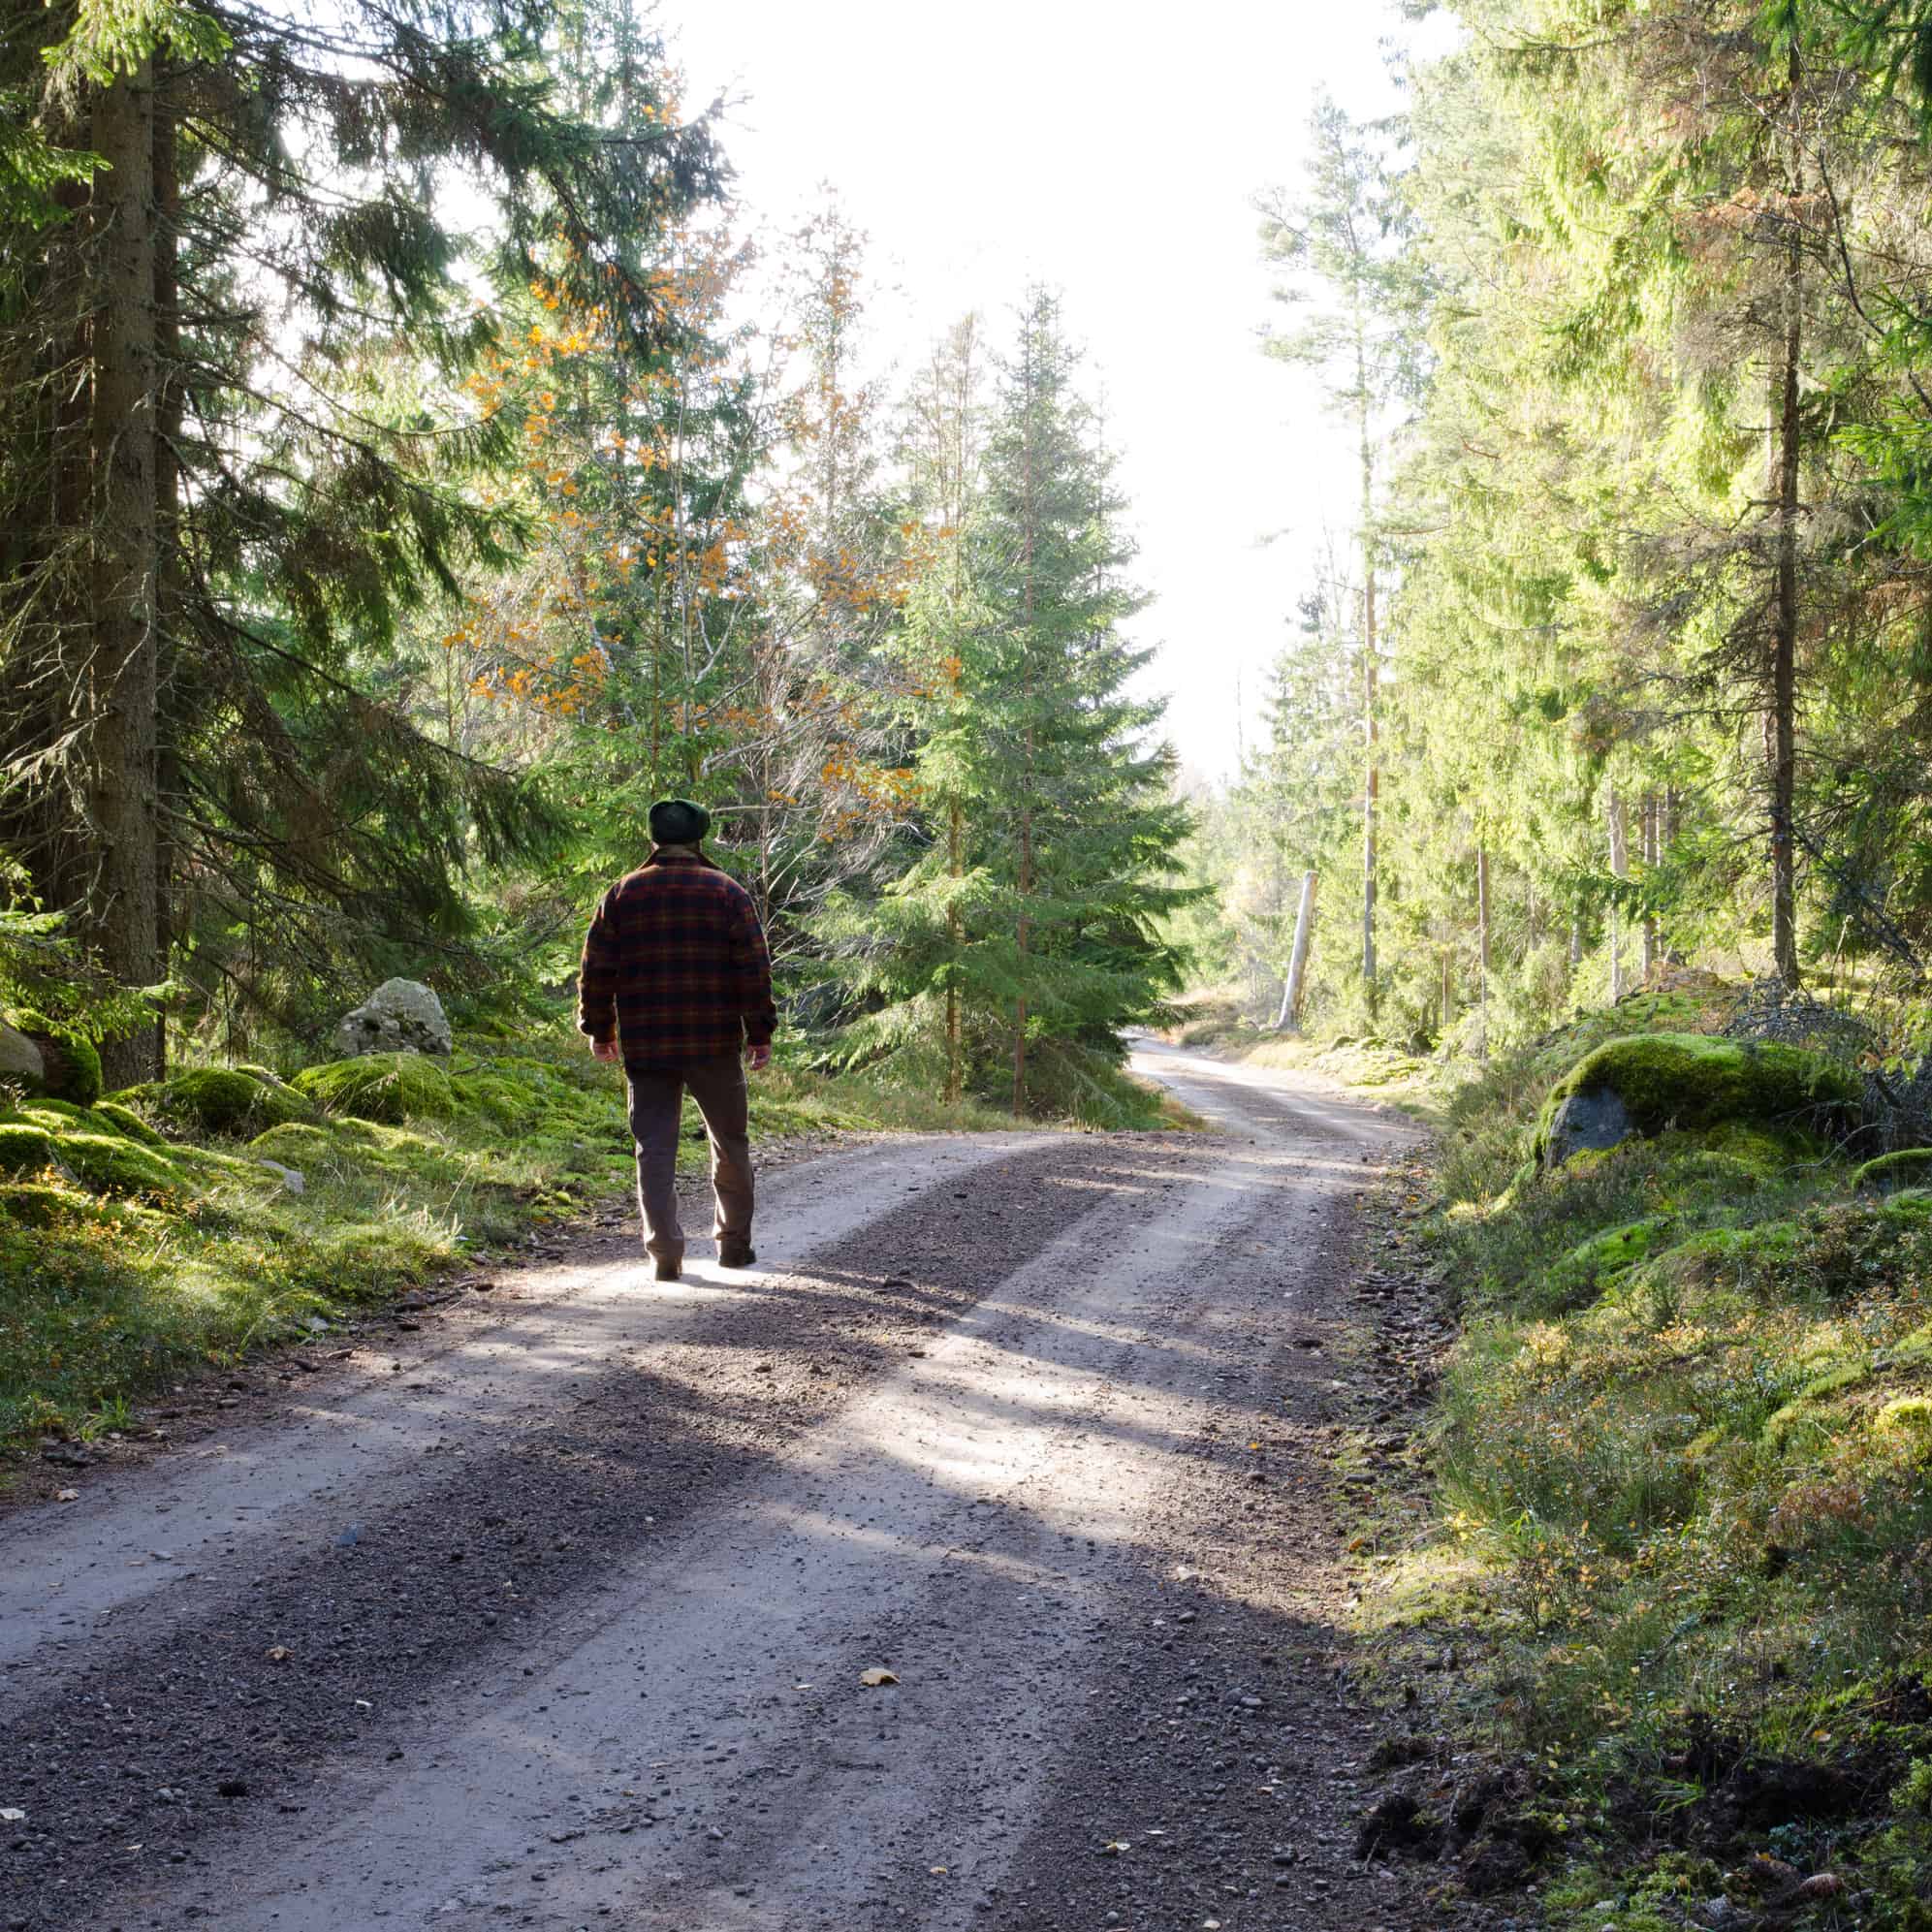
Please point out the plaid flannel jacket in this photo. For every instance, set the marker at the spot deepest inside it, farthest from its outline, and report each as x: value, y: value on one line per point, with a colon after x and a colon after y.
x: 675, y: 964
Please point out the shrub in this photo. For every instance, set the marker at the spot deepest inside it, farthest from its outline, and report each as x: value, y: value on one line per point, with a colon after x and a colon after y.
x: 387, y: 1086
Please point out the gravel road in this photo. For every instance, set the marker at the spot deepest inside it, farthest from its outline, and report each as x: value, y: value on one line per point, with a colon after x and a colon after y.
x: 554, y: 1609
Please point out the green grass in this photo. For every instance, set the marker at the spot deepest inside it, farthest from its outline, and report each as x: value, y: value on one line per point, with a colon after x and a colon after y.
x: 1684, y: 1450
x: 144, y: 1238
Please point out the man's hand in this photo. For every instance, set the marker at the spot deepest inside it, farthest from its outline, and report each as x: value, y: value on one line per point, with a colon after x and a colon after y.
x: 758, y: 1059
x: 607, y: 1050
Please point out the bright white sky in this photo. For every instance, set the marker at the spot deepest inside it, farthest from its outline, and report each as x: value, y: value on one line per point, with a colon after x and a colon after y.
x: 1115, y: 153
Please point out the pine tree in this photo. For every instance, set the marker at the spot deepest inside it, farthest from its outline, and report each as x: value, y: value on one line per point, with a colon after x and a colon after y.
x: 1344, y: 246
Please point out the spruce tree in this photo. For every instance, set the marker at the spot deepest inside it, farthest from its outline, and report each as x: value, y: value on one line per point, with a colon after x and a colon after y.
x: 231, y: 479
x: 1031, y: 928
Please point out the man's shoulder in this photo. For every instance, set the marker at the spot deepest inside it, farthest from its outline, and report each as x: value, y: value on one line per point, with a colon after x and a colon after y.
x: 686, y: 881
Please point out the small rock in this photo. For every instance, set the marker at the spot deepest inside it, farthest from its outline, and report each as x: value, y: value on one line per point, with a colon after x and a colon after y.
x: 349, y: 1537
x: 231, y: 1787
x: 1821, y: 1885
x: 292, y: 1182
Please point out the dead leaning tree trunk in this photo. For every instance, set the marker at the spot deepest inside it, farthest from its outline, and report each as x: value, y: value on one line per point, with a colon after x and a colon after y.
x: 1288, y: 1020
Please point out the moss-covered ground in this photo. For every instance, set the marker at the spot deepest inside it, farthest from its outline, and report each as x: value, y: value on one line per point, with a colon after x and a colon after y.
x: 1680, y: 1532
x: 144, y: 1236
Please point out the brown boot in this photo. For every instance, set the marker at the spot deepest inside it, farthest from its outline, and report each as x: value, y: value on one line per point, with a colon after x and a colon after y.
x: 735, y: 1254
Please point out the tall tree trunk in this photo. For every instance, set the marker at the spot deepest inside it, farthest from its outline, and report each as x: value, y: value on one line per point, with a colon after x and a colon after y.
x: 1785, y: 628
x: 1482, y: 945
x: 1620, y: 869
x: 1647, y: 846
x: 170, y: 571
x: 123, y: 905
x: 1370, y: 732
x: 1026, y: 770
x: 956, y: 935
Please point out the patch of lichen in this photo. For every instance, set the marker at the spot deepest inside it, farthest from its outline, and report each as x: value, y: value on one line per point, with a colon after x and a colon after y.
x: 1692, y: 1080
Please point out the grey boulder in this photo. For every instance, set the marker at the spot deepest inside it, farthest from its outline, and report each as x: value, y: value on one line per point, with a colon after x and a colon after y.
x: 1592, y: 1120
x: 400, y: 1016
x: 19, y: 1058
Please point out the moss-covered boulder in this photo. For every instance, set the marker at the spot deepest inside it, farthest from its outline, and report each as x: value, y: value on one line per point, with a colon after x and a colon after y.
x: 70, y: 1063
x: 1647, y: 1083
x: 387, y: 1086
x: 21, y: 1066
x: 221, y: 1100
x: 109, y: 1164
x: 296, y: 1145
x: 1910, y: 1167
x: 24, y: 1149
x: 125, y: 1120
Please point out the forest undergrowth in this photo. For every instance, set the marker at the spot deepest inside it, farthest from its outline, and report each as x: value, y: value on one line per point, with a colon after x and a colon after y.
x: 1668, y: 1571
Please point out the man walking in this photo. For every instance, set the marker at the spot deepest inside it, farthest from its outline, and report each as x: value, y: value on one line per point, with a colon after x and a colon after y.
x: 678, y: 985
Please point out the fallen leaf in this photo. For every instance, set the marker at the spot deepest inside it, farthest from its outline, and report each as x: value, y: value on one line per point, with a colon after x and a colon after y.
x: 873, y: 1679
x: 1113, y: 1847
x: 67, y: 1496
x: 278, y: 1653
x: 937, y: 1871
x: 363, y: 1705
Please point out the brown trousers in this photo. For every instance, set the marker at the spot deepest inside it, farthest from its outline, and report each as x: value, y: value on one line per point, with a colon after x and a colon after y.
x: 656, y: 1106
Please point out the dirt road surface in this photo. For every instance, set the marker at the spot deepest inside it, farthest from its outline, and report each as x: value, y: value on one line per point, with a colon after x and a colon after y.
x: 556, y: 1612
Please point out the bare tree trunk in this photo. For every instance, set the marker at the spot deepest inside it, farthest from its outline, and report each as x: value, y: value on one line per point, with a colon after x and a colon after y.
x: 170, y: 570
x: 1026, y: 794
x: 1482, y: 946
x: 1647, y: 846
x: 1288, y: 1020
x: 1620, y: 867
x: 1372, y: 789
x: 1448, y: 995
x: 955, y: 933
x: 123, y: 910
x: 1785, y: 628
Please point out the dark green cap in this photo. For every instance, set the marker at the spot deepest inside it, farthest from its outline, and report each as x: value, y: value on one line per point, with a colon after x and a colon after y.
x: 677, y: 821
